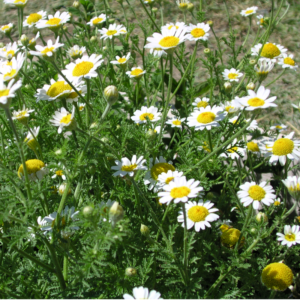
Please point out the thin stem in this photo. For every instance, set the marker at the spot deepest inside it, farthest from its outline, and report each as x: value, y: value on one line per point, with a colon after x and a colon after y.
x: 137, y: 90
x: 209, y: 140
x: 218, y: 42
x: 185, y: 240
x: 65, y: 268
x: 249, y: 29
x: 276, y: 78
x: 149, y: 15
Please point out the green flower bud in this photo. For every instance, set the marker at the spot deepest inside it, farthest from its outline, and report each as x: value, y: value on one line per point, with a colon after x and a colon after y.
x: 144, y: 230
x: 190, y: 6
x: 76, y: 4
x: 250, y: 86
x: 24, y: 40
x: 87, y: 211
x: 130, y: 272
x: 111, y: 94
x: 261, y: 217
x: 116, y: 213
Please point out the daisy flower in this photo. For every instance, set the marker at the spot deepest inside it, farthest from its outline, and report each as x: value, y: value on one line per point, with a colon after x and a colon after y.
x: 146, y: 113
x: 182, y: 4
x: 167, y: 40
x: 249, y: 11
x: 277, y: 202
x: 136, y: 72
x: 269, y: 51
x: 22, y: 115
x: 142, y: 293
x: 121, y: 60
x: 232, y: 106
x: 61, y: 189
x: 166, y: 177
x: 258, y: 99
x: 197, y: 32
x: 150, y: 2
x: 255, y: 194
x: 233, y: 151
x: 290, y: 237
x: 84, y: 67
x: 287, y: 61
x: 284, y: 148
x: 47, y: 51
x: 54, y: 22
x: 253, y: 146
x: 30, y: 139
x: 81, y: 106
x: 278, y: 127
x: 169, y: 26
x: 198, y: 102
x: 112, y: 31
x: 76, y: 52
x: 126, y: 166
x: 263, y: 67
x: 32, y: 19
x: 232, y: 74
x: 16, y: 3
x: 64, y: 120
x: 36, y: 169
x: 156, y: 168
x: 261, y: 21
x: 157, y: 52
x: 9, y: 51
x: 6, y: 28
x: 206, y: 118
x: 175, y: 122
x: 58, y: 172
x: 96, y: 21
x: 198, y: 214
x: 11, y: 69
x: 104, y: 209
x: 7, y: 92
x: 180, y: 190
x: 292, y: 183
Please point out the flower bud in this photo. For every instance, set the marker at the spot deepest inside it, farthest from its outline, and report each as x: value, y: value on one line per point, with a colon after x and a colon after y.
x: 190, y: 6
x: 151, y: 134
x: 261, y: 217
x: 58, y: 152
x: 210, y: 23
x: 116, y: 213
x: 27, y: 86
x: 62, y: 188
x: 76, y: 4
x: 24, y: 40
x: 87, y: 211
x: 253, y: 231
x: 250, y: 86
x: 111, y: 21
x: 227, y: 86
x: 111, y: 94
x: 154, y: 9
x: 145, y: 230
x: 94, y: 125
x: 93, y: 38
x: 130, y: 272
x: 252, y: 61
x: 206, y: 51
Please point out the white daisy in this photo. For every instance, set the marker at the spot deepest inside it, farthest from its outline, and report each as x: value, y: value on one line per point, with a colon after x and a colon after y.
x: 263, y: 67
x: 84, y: 67
x: 258, y: 99
x: 183, y: 4
x: 207, y: 117
x: 76, y: 52
x: 284, y: 148
x: 255, y: 194
x: 198, y: 214
x: 112, y: 31
x: 290, y: 237
x: 270, y: 51
x: 292, y: 183
x: 157, y: 168
x: 169, y: 26
x: 96, y: 21
x: 261, y: 21
x: 278, y: 127
x: 9, y: 51
x: 36, y: 170
x: 59, y: 172
x: 30, y: 139
x: 16, y: 3
x: 22, y: 115
x: 47, y: 51
x: 167, y: 40
x: 63, y: 119
x: 180, y: 190
x: 32, y: 19
x: 142, y: 293
x: 12, y: 68
x: 146, y: 113
x: 81, y: 106
x: 136, y: 72
x: 233, y: 151
x: 54, y: 22
x: 277, y: 202
x: 287, y: 61
x: 125, y: 166
x: 121, y: 60
x: 231, y: 106
x: 175, y: 122
x: 166, y: 177
x: 6, y: 28
x: 61, y: 189
x: 253, y: 147
x: 232, y: 74
x: 197, y: 32
x: 198, y: 102
x: 249, y: 11
x: 7, y: 92
x: 158, y: 52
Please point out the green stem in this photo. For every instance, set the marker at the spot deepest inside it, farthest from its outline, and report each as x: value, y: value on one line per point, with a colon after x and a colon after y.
x: 209, y: 140
x: 249, y: 29
x: 185, y: 240
x: 137, y: 89
x: 64, y: 198
x: 87, y: 112
x: 218, y: 42
x: 65, y: 268
x: 276, y: 78
x: 149, y: 15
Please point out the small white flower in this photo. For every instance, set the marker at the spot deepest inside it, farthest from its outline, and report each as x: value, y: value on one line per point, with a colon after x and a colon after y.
x: 290, y: 237
x: 232, y: 74
x: 112, y: 31
x: 198, y: 102
x: 97, y: 20
x: 22, y: 114
x: 292, y: 183
x: 278, y: 127
x: 16, y: 3
x: 166, y: 178
x: 31, y: 136
x: 261, y: 21
x: 32, y: 19
x: 11, y: 69
x: 270, y: 51
x: 142, y: 293
x: 7, y: 92
x: 287, y: 61
x: 47, y: 51
x: 277, y: 201
x: 198, y: 214
x: 6, y: 28
x: 121, y: 60
x: 183, y: 4
x: 126, y: 166
x: 249, y: 11
x: 59, y: 172
x: 197, y: 32
x: 264, y: 66
x: 233, y: 151
x: 76, y: 52
x: 146, y: 113
x: 169, y: 26
x: 158, y: 52
x: 54, y: 22
x: 9, y: 51
x: 232, y: 106
x: 63, y: 119
x: 136, y: 72
x: 175, y: 122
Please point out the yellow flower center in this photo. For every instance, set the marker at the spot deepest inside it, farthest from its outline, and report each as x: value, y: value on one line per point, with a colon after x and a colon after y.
x: 32, y: 166
x: 10, y: 53
x: 182, y: 5
x: 283, y: 146
x: 169, y: 179
x: 66, y: 119
x: 230, y: 237
x: 4, y: 93
x: 81, y: 107
x: 10, y: 74
x: 180, y: 192
x: 277, y: 276
x: 33, y: 18
x: 97, y: 20
x: 278, y: 127
x: 46, y: 50
x: 5, y: 27
x: 206, y: 117
x: 169, y: 41
x: 59, y: 173
x: 58, y: 88
x: 261, y: 21
x: 53, y: 21
x: 146, y: 115
x: 232, y: 150
x: 202, y: 104
x: 224, y: 227
x: 276, y: 203
x: 232, y: 76
x: 21, y: 114
x: 159, y: 168
x: 9, y: 63
x: 256, y: 192
x: 122, y: 60
x: 129, y: 168
x: 198, y: 213
x: 136, y: 72
x: 296, y: 188
x: 227, y: 108
x: 270, y: 51
x: 289, y: 61
x: 18, y: 1
x: 197, y: 32
x: 255, y: 102
x: 253, y: 147
x: 290, y: 237
x: 111, y: 32
x: 82, y: 68
x: 250, y: 11
x: 176, y: 122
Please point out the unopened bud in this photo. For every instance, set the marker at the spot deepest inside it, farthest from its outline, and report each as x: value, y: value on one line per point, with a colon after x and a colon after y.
x: 250, y: 86
x: 76, y: 4
x: 27, y: 86
x: 130, y: 272
x: 154, y: 9
x: 92, y: 169
x: 105, y: 140
x: 206, y: 51
x: 111, y: 94
x: 111, y: 21
x: 261, y: 217
x: 210, y: 23
x: 151, y: 134
x: 145, y: 230
x: 253, y: 231
x: 190, y: 6
x: 24, y: 40
x: 87, y: 211
x: 58, y: 152
x: 62, y: 188
x: 227, y: 86
x: 94, y: 125
x: 93, y: 38
x: 116, y: 213
x: 252, y: 61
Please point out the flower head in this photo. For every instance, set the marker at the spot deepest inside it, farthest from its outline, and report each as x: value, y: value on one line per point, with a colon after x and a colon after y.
x: 182, y: 4
x: 146, y: 113
x: 16, y: 3
x: 11, y: 69
x: 197, y: 32
x: 292, y: 183
x: 96, y: 21
x: 9, y: 51
x: 22, y: 115
x: 291, y: 235
x: 32, y: 19
x: 48, y: 51
x: 269, y: 51
x: 176, y: 122
x: 233, y: 151
x: 166, y: 177
x: 121, y: 60
x: 287, y: 61
x: 261, y: 21
x: 54, y: 22
x: 198, y: 102
x: 112, y: 31
x: 76, y: 52
x: 249, y: 11
x: 7, y: 92
x: 64, y: 120
x: 6, y: 28
x: 263, y: 67
x: 36, y: 169
x: 232, y: 74
x: 136, y: 72
x: 30, y: 139
x: 129, y: 167
x: 142, y: 293
x: 230, y: 236
x: 169, y: 26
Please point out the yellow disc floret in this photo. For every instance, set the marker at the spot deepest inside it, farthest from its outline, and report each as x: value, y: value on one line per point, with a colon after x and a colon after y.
x: 253, y: 147
x: 176, y: 122
x: 197, y: 32
x: 97, y: 20
x: 129, y: 168
x: 202, y: 104
x: 32, y: 166
x: 122, y: 60
x: 111, y: 32
x: 146, y: 115
x: 169, y: 41
x: 198, y: 213
x: 58, y: 88
x: 82, y: 68
x: 136, y: 72
x: 232, y: 76
x: 33, y: 18
x: 256, y: 192
x: 255, y: 102
x: 159, y: 168
x: 283, y: 146
x: 289, y: 61
x: 270, y: 51
x: 180, y: 192
x: 54, y: 22
x: 66, y: 119
x: 230, y: 237
x: 206, y: 117
x: 277, y: 276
